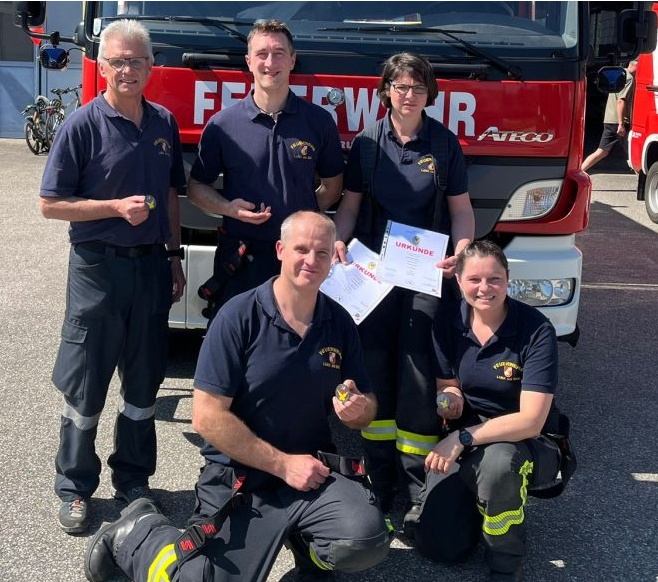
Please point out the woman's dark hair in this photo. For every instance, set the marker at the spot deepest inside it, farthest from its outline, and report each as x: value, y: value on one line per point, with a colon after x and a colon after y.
x: 481, y: 248
x: 417, y: 67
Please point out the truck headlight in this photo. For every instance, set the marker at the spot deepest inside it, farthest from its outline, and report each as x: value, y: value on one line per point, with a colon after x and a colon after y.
x: 532, y: 200
x: 542, y: 292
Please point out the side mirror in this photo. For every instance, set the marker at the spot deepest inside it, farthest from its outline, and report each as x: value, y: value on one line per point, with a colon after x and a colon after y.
x: 79, y: 34
x: 35, y: 13
x: 637, y: 32
x: 54, y: 58
x: 611, y: 79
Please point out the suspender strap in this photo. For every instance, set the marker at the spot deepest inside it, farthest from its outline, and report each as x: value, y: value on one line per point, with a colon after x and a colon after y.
x: 350, y: 467
x: 439, y: 151
x: 192, y: 540
x: 368, y: 154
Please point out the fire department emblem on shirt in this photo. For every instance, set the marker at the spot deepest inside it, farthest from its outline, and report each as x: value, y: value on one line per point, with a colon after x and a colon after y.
x: 426, y: 165
x: 163, y: 146
x: 331, y: 357
x: 508, y: 371
x: 303, y: 150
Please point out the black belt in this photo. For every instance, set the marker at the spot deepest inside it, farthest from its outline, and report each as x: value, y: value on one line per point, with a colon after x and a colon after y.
x: 117, y: 251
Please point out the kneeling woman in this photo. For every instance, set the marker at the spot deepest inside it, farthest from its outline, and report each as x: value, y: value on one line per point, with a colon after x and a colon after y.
x: 497, y: 362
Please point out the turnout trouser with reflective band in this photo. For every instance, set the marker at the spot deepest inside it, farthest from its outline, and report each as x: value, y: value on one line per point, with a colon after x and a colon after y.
x: 338, y: 526
x: 486, y: 493
x: 116, y: 316
x: 397, y: 345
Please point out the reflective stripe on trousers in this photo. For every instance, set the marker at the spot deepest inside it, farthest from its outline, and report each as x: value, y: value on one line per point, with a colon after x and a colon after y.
x: 497, y: 525
x: 415, y: 444
x: 158, y: 569
x: 380, y: 430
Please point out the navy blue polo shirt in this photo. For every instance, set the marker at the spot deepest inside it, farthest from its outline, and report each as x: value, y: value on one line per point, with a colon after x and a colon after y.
x: 264, y: 161
x: 521, y: 355
x: 281, y: 384
x: 101, y: 155
x: 404, y: 176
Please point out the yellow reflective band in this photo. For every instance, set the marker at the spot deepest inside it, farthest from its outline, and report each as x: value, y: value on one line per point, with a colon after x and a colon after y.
x: 497, y: 525
x: 158, y: 568
x: 380, y: 430
x: 317, y: 561
x: 415, y: 444
x: 389, y: 525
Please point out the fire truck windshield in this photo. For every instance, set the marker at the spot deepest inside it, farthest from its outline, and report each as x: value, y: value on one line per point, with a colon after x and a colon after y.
x: 533, y: 29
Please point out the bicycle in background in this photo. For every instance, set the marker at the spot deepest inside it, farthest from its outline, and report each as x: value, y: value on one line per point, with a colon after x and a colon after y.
x: 36, y: 115
x: 57, y: 110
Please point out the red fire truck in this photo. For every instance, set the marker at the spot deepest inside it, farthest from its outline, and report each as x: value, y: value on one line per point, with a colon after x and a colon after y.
x: 512, y: 80
x: 643, y: 138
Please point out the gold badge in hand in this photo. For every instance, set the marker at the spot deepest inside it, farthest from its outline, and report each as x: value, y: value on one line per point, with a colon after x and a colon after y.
x: 149, y: 202
x: 343, y: 393
x: 443, y: 401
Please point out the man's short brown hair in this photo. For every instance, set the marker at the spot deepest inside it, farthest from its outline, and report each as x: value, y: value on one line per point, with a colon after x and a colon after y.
x: 271, y: 27
x: 417, y: 67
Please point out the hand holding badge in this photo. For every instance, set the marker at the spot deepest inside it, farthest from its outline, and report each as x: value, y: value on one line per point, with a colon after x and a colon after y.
x: 442, y: 401
x: 149, y: 202
x: 343, y: 393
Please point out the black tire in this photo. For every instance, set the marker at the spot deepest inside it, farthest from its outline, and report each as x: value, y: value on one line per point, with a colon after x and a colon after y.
x: 651, y: 192
x: 32, y: 140
x: 53, y: 122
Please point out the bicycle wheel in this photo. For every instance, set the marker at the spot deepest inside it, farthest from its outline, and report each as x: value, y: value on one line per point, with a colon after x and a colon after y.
x: 53, y: 122
x: 30, y: 137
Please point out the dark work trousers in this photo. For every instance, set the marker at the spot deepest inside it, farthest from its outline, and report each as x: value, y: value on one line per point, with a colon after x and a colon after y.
x: 338, y: 525
x: 397, y: 345
x: 116, y: 316
x: 260, y: 265
x: 485, y: 494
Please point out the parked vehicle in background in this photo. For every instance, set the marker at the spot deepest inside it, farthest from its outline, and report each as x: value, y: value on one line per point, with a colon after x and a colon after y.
x: 643, y: 138
x: 35, y: 115
x: 512, y: 87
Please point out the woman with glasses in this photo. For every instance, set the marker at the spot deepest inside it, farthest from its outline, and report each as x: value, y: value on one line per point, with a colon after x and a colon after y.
x: 408, y: 168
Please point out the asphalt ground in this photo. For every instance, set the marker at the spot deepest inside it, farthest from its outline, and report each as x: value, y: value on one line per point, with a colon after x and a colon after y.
x: 603, y: 528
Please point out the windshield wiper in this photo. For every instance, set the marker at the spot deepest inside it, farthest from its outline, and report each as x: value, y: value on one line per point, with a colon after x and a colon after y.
x: 221, y: 23
x: 512, y: 71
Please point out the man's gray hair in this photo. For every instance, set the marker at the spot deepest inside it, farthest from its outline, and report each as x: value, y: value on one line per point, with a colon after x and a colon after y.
x: 289, y: 222
x: 127, y: 30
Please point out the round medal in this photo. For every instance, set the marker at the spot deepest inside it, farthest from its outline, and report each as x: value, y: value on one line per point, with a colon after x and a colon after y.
x: 343, y: 393
x: 442, y: 401
x: 149, y: 202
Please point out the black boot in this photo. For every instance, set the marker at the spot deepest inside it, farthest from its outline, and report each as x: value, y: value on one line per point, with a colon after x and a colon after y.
x: 100, y: 557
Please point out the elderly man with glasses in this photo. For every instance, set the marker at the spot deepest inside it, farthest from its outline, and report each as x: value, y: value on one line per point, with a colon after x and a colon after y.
x: 114, y: 172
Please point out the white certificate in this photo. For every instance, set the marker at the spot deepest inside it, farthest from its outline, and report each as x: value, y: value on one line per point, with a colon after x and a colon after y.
x: 408, y: 258
x: 355, y: 286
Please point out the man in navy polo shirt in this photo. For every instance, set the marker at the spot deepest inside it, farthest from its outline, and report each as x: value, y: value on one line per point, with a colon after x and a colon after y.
x: 269, y: 147
x: 106, y: 160
x: 264, y: 387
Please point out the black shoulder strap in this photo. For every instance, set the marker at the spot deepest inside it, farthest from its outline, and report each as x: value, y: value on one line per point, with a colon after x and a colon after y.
x: 439, y: 148
x: 369, y: 151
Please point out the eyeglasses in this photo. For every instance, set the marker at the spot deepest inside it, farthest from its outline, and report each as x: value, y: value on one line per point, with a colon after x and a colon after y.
x: 404, y: 89
x: 135, y: 63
